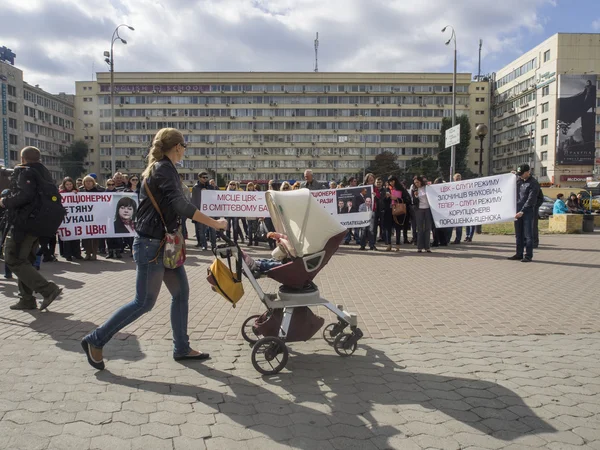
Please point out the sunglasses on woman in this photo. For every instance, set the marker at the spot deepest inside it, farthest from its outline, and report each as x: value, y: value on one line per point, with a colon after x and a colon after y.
x: 110, y: 184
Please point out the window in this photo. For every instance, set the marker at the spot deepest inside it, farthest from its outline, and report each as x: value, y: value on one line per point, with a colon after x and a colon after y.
x: 12, y: 123
x: 12, y: 107
x: 544, y: 156
x: 545, y: 107
x: 12, y: 139
x: 547, y: 56
x: 479, y: 113
x: 480, y: 99
x: 545, y: 140
x: 12, y: 90
x: 545, y: 91
x: 544, y: 124
x: 544, y: 171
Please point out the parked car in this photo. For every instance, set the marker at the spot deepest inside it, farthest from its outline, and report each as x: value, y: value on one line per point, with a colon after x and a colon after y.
x: 547, y: 208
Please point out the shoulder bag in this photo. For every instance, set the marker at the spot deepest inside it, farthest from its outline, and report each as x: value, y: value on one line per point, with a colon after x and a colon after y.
x: 173, y: 243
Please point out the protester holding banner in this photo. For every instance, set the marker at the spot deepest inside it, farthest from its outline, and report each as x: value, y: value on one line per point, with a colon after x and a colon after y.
x: 91, y: 245
x: 395, y: 195
x: 252, y: 222
x: 366, y: 205
x: 423, y: 215
x: 162, y: 205
x: 71, y: 250
x: 201, y: 230
x: 233, y: 223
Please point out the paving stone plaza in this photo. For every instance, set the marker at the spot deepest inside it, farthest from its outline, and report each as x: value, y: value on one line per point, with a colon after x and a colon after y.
x: 462, y: 350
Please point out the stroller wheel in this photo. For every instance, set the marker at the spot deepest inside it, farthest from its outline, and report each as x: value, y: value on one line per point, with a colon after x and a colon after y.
x: 269, y: 355
x: 247, y: 331
x: 344, y: 345
x: 329, y: 334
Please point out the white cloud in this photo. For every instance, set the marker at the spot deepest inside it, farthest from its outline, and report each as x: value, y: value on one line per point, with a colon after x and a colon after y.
x: 58, y: 41
x: 596, y: 25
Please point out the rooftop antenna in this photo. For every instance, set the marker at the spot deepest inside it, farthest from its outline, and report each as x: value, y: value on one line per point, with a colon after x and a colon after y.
x: 317, y: 53
x: 479, y: 69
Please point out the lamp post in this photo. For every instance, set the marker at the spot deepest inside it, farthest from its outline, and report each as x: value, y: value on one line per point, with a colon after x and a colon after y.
x: 482, y: 131
x: 453, y: 150
x: 365, y: 159
x: 216, y: 155
x: 110, y: 60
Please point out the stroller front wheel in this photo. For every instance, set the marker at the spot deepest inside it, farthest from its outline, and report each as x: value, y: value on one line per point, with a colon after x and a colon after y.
x: 344, y: 344
x: 247, y: 331
x: 269, y: 355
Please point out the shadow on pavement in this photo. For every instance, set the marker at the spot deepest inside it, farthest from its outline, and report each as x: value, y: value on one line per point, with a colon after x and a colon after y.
x: 356, y: 392
x: 68, y: 333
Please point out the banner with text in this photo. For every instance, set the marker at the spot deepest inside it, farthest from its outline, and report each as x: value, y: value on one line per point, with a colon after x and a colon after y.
x: 473, y: 202
x: 98, y: 215
x: 351, y: 206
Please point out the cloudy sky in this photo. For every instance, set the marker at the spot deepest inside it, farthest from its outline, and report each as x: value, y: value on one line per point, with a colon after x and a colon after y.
x: 60, y: 41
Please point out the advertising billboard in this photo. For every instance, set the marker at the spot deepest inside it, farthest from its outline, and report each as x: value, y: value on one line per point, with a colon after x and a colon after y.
x: 575, y: 119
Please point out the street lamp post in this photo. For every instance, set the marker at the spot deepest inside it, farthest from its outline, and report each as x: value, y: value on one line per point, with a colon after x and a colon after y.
x: 453, y: 150
x: 482, y: 131
x: 110, y: 60
x: 365, y: 160
x: 216, y: 155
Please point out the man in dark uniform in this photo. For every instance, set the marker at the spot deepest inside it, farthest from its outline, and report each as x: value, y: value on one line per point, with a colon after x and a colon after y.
x: 20, y: 247
x: 527, y: 194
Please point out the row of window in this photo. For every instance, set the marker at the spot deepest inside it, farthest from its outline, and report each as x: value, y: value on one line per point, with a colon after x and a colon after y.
x: 239, y: 113
x: 45, y: 102
x: 515, y: 90
x: 314, y: 152
x: 514, y: 133
x: 45, y: 145
x: 48, y: 132
x: 48, y: 117
x: 524, y: 144
x: 514, y: 104
x: 519, y: 71
x: 274, y: 138
x: 511, y: 162
x: 347, y: 88
x: 524, y: 115
x: 229, y: 126
x: 281, y: 100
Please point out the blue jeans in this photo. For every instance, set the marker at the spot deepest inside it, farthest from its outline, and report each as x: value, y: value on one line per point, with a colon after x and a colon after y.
x: 458, y: 237
x: 470, y: 232
x: 201, y: 231
x: 524, y: 235
x: 149, y: 278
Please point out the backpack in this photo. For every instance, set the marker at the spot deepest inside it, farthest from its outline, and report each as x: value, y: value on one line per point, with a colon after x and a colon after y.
x: 47, y: 213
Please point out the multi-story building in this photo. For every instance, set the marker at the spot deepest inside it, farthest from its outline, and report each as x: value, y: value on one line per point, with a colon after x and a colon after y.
x: 543, y: 111
x: 261, y: 126
x: 32, y: 116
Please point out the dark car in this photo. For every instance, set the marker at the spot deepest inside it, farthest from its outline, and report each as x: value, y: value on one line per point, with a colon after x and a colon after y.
x: 547, y: 208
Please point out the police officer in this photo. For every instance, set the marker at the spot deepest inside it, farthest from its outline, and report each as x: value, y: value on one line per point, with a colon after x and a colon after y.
x: 20, y: 247
x: 527, y: 194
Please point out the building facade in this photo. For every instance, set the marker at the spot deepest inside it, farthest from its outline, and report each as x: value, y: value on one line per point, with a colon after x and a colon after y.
x: 262, y: 126
x: 544, y: 111
x: 32, y: 116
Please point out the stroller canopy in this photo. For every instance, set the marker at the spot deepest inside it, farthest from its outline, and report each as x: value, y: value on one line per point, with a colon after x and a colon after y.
x: 300, y: 216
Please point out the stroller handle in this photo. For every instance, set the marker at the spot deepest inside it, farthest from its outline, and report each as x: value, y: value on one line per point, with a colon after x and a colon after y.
x: 223, y: 236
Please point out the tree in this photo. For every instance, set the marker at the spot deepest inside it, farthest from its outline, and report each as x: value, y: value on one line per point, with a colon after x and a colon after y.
x: 72, y: 162
x: 422, y: 165
x: 461, y: 149
x: 384, y: 165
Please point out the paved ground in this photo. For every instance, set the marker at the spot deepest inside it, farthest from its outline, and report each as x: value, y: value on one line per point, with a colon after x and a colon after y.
x: 452, y: 358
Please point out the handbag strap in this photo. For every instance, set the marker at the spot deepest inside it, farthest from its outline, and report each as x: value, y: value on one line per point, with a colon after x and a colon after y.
x: 153, y: 200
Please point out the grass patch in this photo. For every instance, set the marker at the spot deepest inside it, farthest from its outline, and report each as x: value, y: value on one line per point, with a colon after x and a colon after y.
x: 508, y: 228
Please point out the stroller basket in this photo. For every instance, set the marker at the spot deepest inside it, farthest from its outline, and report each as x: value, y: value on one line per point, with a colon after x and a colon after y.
x: 303, y: 326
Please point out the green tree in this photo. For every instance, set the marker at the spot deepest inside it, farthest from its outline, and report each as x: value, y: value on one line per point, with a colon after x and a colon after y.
x: 462, y: 148
x: 73, y: 161
x: 422, y: 165
x: 384, y: 165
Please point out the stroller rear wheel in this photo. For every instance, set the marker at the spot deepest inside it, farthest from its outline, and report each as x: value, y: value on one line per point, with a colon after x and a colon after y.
x: 269, y: 355
x: 247, y: 331
x: 344, y: 344
x: 330, y: 332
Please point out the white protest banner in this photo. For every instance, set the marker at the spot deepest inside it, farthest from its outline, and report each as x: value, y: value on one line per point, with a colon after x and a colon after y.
x: 98, y: 215
x: 473, y: 202
x: 352, y: 206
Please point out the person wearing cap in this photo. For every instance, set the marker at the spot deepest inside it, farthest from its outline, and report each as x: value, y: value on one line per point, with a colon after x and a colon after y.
x: 527, y: 193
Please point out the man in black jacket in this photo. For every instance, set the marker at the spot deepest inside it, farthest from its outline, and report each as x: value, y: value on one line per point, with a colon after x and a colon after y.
x: 21, y: 246
x: 527, y: 194
x: 201, y: 229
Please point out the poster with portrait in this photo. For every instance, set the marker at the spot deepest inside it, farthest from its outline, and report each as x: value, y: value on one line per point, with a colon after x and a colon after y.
x: 98, y: 215
x: 354, y: 206
x: 576, y: 119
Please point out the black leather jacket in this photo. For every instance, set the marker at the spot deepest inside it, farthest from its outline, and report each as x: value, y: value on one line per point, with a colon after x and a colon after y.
x: 24, y: 191
x: 166, y: 187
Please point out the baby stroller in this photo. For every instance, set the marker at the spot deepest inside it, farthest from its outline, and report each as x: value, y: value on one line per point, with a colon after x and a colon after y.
x: 314, y: 236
